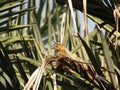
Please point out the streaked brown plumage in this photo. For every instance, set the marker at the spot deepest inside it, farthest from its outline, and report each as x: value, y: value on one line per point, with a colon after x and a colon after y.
x: 60, y: 49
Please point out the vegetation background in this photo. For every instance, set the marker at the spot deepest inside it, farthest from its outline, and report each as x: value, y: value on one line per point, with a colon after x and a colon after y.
x: 28, y: 29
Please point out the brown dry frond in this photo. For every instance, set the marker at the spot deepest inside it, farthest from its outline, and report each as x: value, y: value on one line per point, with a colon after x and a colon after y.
x: 65, y: 62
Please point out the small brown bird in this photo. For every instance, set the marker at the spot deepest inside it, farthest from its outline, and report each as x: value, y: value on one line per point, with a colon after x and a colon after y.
x: 60, y: 49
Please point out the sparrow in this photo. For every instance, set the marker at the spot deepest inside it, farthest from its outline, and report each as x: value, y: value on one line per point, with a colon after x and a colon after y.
x: 61, y: 50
